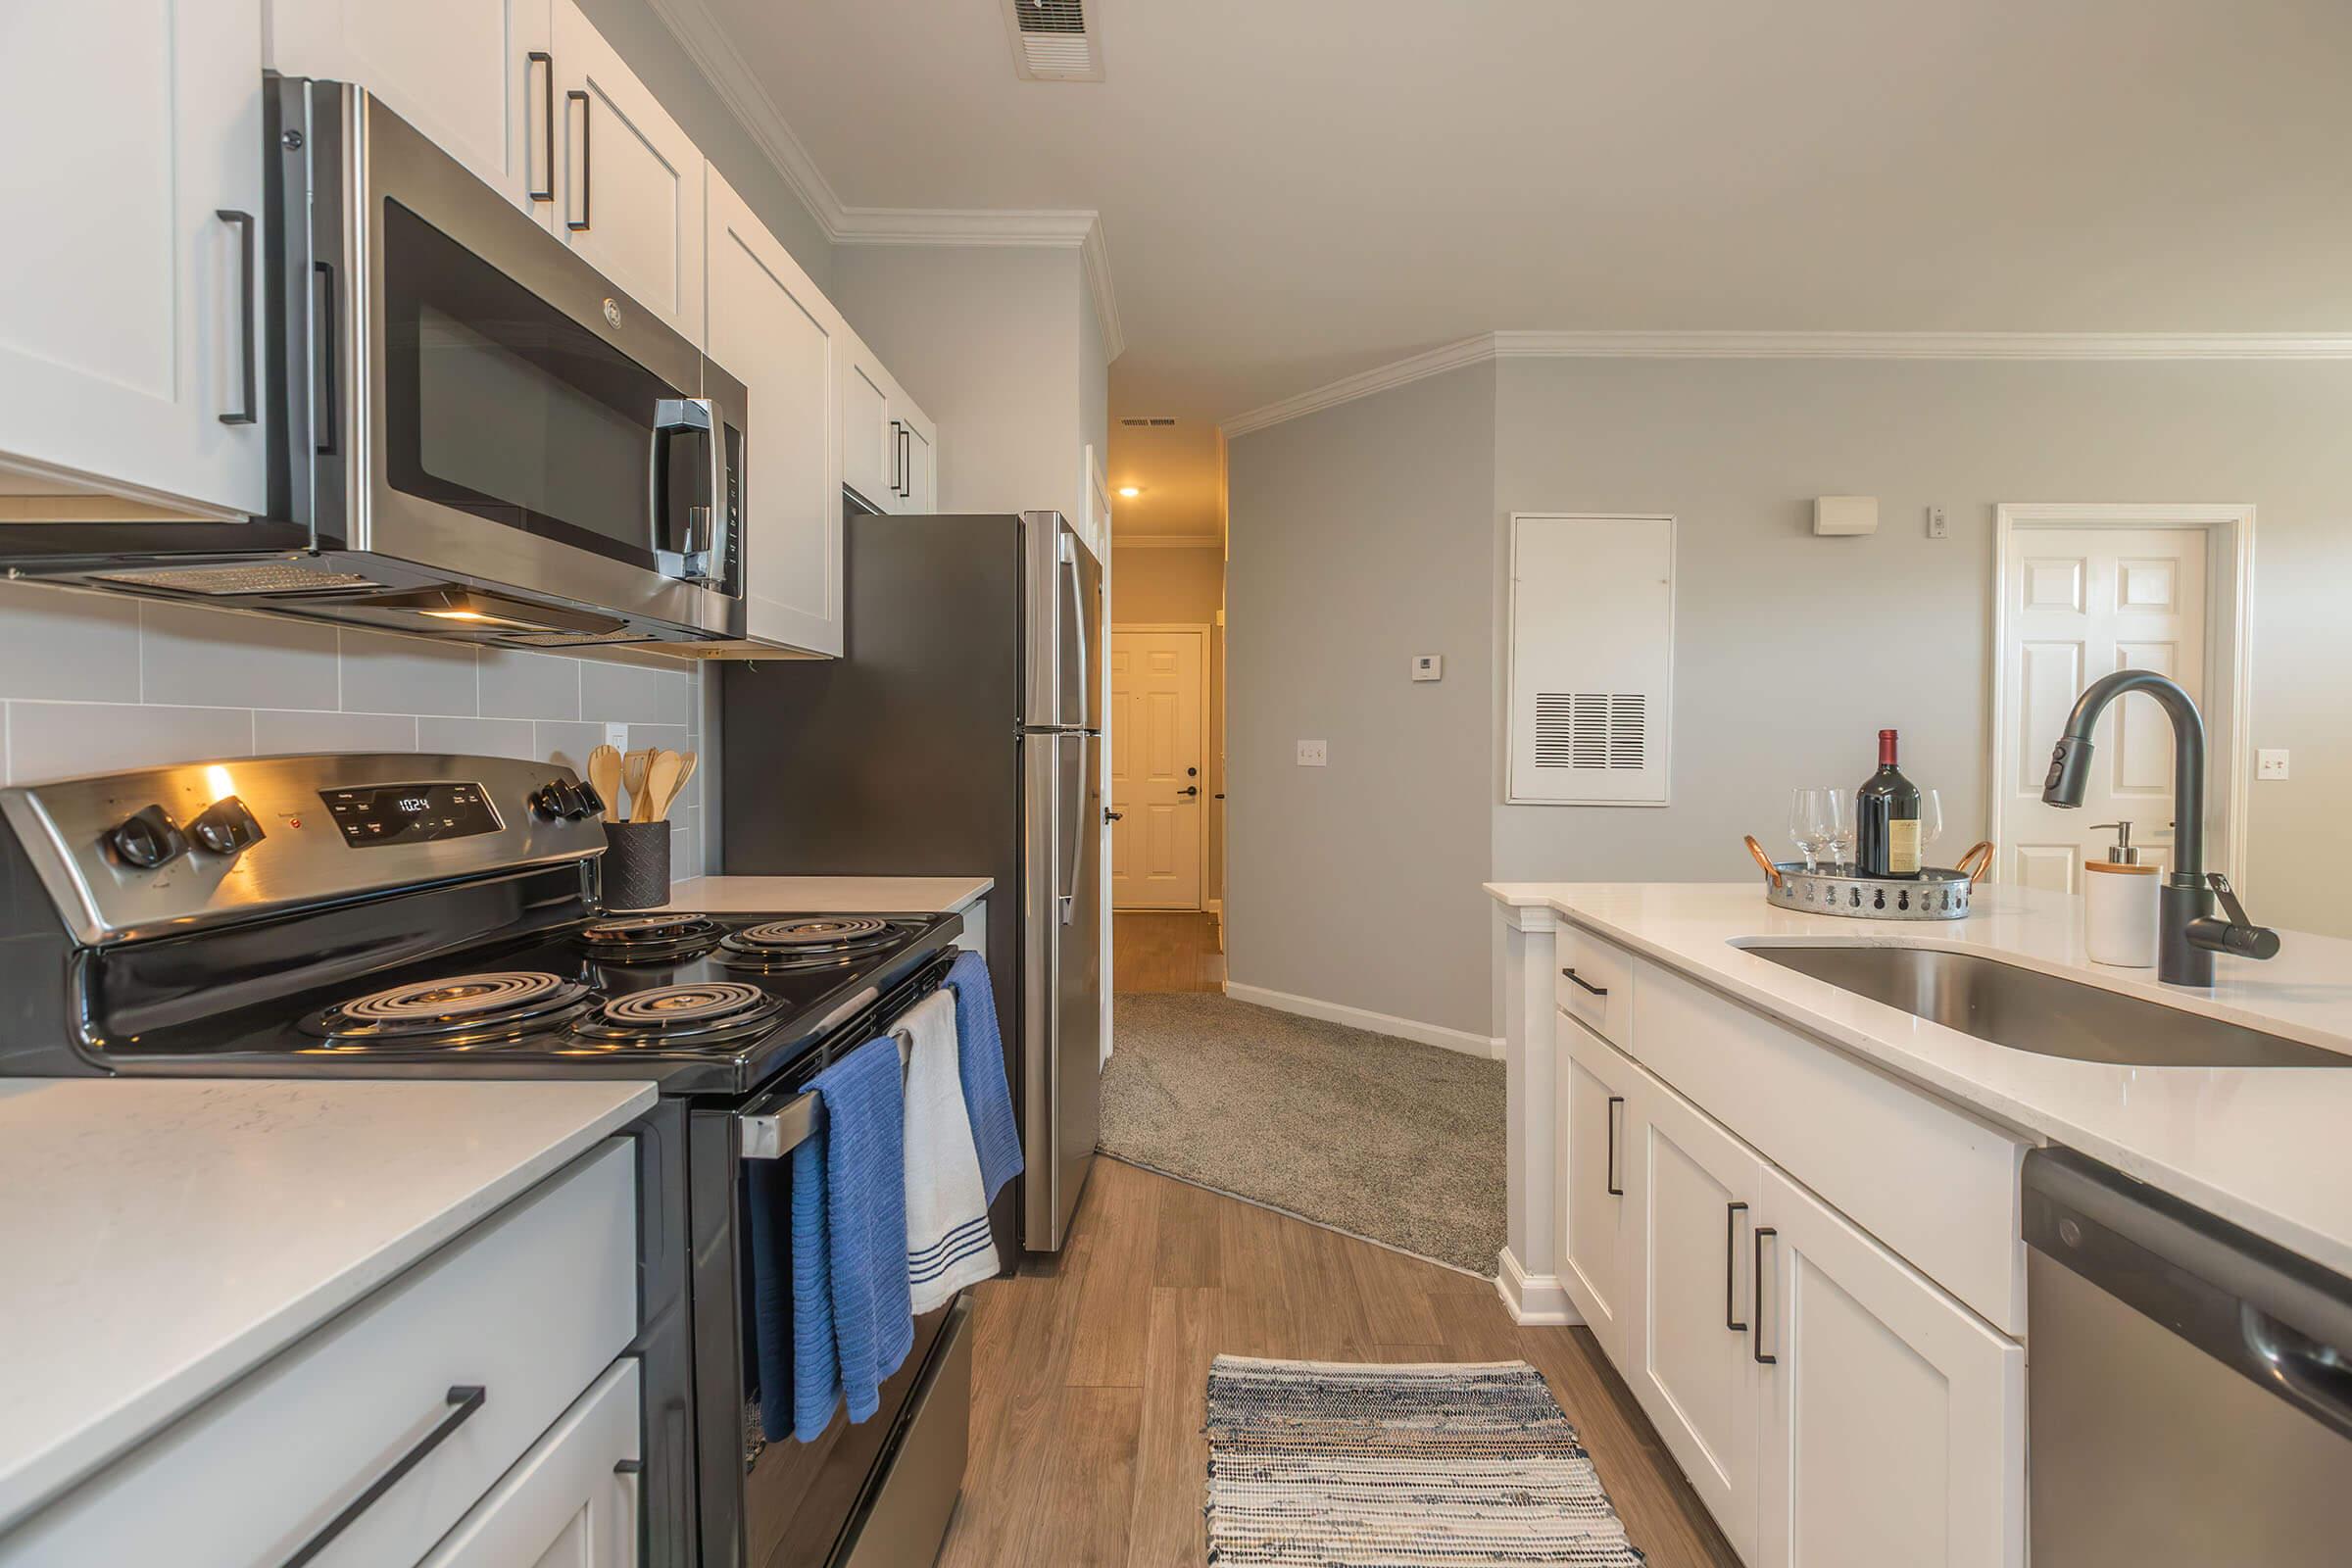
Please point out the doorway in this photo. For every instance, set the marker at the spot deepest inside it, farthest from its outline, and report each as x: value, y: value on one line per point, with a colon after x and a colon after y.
x: 1159, y: 766
x: 2086, y: 590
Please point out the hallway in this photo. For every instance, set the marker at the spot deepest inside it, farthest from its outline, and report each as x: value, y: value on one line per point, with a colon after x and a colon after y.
x: 1166, y: 949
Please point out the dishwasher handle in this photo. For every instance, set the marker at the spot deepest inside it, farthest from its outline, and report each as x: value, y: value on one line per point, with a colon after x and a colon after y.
x: 2277, y: 1320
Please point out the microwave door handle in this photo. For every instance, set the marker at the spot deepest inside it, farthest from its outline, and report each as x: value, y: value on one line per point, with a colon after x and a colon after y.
x: 694, y: 556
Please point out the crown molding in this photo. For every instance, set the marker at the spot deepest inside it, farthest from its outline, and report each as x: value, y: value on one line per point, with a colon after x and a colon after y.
x: 1163, y: 540
x: 2028, y: 346
x: 715, y: 54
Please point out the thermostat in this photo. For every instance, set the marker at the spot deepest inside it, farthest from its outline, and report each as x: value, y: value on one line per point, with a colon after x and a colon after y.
x: 1429, y: 667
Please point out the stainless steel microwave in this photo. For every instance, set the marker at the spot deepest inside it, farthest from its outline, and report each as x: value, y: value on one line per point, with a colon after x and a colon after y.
x: 470, y: 431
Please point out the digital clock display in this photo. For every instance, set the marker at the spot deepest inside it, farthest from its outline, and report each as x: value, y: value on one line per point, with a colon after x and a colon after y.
x: 409, y: 814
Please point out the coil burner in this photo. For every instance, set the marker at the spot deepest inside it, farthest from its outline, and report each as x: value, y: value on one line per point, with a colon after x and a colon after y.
x: 462, y: 1011
x: 698, y: 1012
x: 650, y: 938
x: 808, y: 943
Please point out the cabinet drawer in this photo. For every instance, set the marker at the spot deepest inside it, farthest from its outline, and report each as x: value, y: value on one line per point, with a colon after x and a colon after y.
x: 1934, y: 1184
x: 1595, y: 984
x: 530, y: 1306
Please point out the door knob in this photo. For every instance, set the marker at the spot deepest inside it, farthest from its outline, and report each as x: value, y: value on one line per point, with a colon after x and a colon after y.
x: 1112, y: 816
x: 1190, y: 788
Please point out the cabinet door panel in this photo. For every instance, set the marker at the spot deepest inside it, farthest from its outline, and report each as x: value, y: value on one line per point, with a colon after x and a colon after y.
x: 1594, y: 1085
x: 131, y: 124
x: 1690, y: 1368
x: 630, y: 178
x: 772, y: 329
x: 920, y: 498
x: 568, y: 1504
x: 1894, y: 1420
x: 459, y: 71
x: 870, y: 459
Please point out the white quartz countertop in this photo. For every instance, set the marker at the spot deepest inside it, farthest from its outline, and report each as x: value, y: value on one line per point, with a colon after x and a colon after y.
x: 2267, y: 1147
x: 159, y: 1237
x: 830, y: 894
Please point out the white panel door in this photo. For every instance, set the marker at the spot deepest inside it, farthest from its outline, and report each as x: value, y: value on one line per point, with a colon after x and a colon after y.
x: 1688, y: 1341
x: 870, y: 459
x: 461, y: 72
x: 1598, y: 1197
x: 629, y: 187
x: 1155, y: 769
x: 131, y: 126
x: 2085, y: 602
x: 1893, y: 1418
x: 772, y: 330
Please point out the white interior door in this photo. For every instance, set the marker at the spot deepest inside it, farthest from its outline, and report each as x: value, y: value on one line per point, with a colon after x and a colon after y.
x: 2085, y: 602
x: 1157, y: 770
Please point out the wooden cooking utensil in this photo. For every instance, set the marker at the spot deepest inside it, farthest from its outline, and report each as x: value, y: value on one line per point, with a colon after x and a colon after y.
x: 1765, y: 861
x: 603, y: 778
x: 660, y: 783
x: 632, y: 779
x: 687, y: 763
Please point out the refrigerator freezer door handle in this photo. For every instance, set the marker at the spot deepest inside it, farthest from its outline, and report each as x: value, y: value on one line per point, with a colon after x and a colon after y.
x: 1070, y: 569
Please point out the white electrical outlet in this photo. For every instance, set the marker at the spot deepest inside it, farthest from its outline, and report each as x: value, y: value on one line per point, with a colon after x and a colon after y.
x: 1429, y: 667
x: 2270, y: 764
x: 616, y: 736
x: 1935, y: 525
x: 1310, y: 754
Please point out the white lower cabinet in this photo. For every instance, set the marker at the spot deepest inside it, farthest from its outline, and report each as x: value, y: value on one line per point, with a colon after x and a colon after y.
x: 572, y: 1501
x: 1596, y: 1255
x: 1690, y: 1356
x: 1893, y: 1418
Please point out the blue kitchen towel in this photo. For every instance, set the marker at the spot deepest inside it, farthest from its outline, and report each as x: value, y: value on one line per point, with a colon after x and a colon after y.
x: 980, y: 1056
x: 850, y: 1322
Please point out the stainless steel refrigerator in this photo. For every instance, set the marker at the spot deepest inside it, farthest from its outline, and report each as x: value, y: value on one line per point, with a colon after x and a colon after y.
x: 961, y: 733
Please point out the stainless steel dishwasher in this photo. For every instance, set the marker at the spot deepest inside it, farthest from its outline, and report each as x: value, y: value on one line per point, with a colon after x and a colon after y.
x: 2188, y: 1384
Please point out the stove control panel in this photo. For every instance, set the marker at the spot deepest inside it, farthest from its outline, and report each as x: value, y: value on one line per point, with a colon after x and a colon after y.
x: 403, y: 813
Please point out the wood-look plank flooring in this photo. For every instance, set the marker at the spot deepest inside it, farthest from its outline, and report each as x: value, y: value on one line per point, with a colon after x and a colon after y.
x: 1090, y: 1375
x: 1165, y: 950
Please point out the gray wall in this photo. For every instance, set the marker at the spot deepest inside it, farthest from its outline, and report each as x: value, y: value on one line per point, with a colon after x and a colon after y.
x: 1361, y: 536
x: 1895, y: 629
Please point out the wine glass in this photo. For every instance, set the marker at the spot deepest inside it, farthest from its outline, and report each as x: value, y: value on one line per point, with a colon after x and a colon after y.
x: 1812, y: 823
x: 1841, y: 828
x: 1930, y: 822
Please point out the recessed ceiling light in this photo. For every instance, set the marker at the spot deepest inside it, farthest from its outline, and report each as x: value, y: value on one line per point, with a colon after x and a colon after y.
x: 1129, y: 491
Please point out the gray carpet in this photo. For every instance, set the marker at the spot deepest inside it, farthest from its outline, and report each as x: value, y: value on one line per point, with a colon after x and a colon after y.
x: 1387, y: 1139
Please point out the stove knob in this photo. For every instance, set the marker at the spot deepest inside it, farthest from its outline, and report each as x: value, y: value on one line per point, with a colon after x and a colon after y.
x: 591, y: 802
x: 147, y: 838
x: 225, y: 826
x: 547, y: 804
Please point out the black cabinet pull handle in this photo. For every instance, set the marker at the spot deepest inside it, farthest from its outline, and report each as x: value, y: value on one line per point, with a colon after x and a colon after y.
x: 547, y: 128
x: 245, y: 345
x: 1608, y: 1174
x: 1598, y: 991
x: 907, y: 461
x: 587, y: 164
x: 1731, y: 1254
x: 326, y: 437
x: 1756, y: 1308
x: 464, y: 1401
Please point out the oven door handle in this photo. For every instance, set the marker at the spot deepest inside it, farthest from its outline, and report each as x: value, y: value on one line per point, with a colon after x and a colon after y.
x: 772, y: 1128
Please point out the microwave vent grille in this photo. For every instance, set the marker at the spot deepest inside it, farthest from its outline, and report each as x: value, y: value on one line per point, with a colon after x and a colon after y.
x: 270, y: 577
x: 574, y: 639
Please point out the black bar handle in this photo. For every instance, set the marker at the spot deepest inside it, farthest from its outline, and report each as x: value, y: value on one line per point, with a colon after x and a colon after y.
x: 1756, y: 1310
x: 897, y: 445
x: 547, y: 126
x: 462, y: 1399
x: 324, y: 438
x: 1731, y: 1266
x: 1608, y: 1174
x: 246, y: 348
x: 1598, y: 991
x: 587, y: 166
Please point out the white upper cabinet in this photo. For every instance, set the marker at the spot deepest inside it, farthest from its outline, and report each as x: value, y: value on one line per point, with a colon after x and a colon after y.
x: 130, y: 336
x: 918, y: 463
x: 628, y: 182
x: 773, y: 331
x: 887, y: 442
x: 476, y: 77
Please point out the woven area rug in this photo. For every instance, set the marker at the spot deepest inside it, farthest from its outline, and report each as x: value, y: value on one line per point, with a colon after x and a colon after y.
x: 1387, y: 1139
x: 1347, y: 1466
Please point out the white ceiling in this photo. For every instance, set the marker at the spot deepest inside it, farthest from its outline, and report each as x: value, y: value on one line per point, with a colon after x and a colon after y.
x: 1293, y: 190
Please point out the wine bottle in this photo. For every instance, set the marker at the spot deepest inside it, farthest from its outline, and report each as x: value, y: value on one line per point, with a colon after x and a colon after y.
x: 1886, y: 818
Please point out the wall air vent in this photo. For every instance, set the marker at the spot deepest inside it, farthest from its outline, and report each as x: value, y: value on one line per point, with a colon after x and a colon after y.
x: 1592, y: 678
x: 1591, y: 729
x: 1053, y: 40
x: 1153, y: 424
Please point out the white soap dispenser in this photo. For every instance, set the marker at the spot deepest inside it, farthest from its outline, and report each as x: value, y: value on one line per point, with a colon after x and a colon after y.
x: 2120, y: 905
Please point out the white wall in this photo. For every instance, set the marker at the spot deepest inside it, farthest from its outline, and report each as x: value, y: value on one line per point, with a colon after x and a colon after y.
x: 1791, y: 651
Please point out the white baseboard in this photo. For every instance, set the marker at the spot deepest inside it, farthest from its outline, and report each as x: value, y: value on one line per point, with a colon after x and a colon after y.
x: 1380, y: 1023
x: 1531, y: 1299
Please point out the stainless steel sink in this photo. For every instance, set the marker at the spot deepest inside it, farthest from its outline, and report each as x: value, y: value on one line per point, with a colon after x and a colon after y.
x: 2028, y: 1010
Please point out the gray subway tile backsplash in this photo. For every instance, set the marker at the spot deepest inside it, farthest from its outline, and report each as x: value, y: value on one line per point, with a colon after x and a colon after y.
x: 58, y: 740
x: 190, y: 657
x: 55, y: 644
x: 633, y: 695
x: 277, y: 730
x: 477, y: 737
x: 387, y: 675
x: 520, y: 685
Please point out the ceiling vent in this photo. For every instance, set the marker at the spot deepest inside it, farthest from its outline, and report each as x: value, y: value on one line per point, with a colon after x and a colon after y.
x: 1155, y: 423
x: 1053, y: 40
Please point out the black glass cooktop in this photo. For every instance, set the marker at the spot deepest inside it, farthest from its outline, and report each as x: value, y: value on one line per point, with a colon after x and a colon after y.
x: 703, y: 1004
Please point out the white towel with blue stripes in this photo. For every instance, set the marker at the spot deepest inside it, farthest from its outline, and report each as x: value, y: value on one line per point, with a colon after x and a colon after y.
x: 948, y: 1243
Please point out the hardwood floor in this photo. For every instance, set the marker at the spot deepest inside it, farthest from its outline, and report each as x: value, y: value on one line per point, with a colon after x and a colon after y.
x: 1090, y: 1375
x: 1170, y: 949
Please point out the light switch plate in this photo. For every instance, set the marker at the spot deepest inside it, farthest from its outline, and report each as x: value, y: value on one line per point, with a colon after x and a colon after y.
x: 1429, y: 667
x: 1310, y: 754
x: 1935, y: 525
x: 2270, y: 764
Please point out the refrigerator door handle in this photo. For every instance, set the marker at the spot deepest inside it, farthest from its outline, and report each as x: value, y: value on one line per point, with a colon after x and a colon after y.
x: 1074, y: 808
x: 1069, y: 572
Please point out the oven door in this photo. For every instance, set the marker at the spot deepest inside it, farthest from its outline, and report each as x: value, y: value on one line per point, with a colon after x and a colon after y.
x: 477, y: 401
